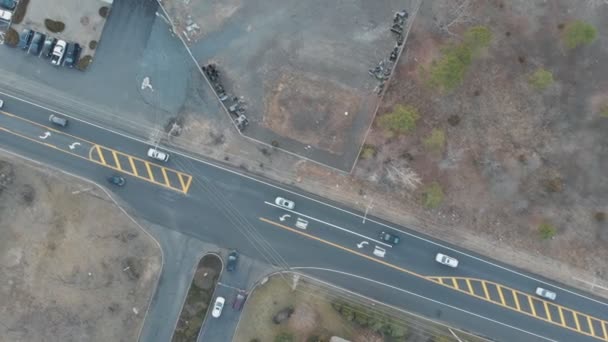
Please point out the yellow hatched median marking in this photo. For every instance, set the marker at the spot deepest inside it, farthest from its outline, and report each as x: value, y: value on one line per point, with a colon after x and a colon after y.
x: 516, y: 300
x: 561, y: 315
x: 150, y: 174
x: 165, y: 176
x: 132, y: 163
x: 502, y: 297
x: 590, y: 326
x: 115, y: 155
x: 101, y: 158
x: 485, y: 289
x: 547, y: 310
x: 455, y: 281
x: 469, y: 286
x: 578, y: 325
x: 603, y: 324
x: 531, y: 301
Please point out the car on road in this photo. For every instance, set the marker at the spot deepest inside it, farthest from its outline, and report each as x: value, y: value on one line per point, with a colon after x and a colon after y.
x: 1, y: 104
x: 36, y: 44
x: 233, y: 259
x: 8, y: 4
x: 545, y: 293
x: 25, y: 38
x: 285, y: 203
x: 218, y: 306
x: 6, y: 15
x: 71, y: 55
x: 117, y: 180
x: 58, y: 120
x: 158, y: 155
x: 446, y: 260
x: 239, y: 301
x: 47, y: 47
x: 389, y: 238
x: 58, y: 52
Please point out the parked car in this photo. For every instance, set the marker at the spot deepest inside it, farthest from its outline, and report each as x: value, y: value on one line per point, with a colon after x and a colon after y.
x: 58, y: 120
x: 6, y: 15
x: 36, y: 44
x: 285, y: 203
x: 217, y: 307
x: 446, y: 260
x: 47, y: 47
x: 389, y: 238
x: 545, y: 293
x: 158, y: 155
x: 117, y: 180
x: 58, y: 52
x: 8, y: 4
x: 233, y: 259
x: 239, y: 301
x: 71, y: 55
x: 25, y: 38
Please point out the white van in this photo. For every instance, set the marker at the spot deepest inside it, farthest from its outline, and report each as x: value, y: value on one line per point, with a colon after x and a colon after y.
x: 158, y: 155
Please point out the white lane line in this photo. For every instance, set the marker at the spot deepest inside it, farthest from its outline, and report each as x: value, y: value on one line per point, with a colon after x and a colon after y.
x: 180, y: 153
x: 330, y: 224
x: 410, y: 293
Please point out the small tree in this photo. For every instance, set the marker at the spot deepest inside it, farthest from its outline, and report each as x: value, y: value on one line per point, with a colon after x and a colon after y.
x: 432, y: 195
x: 84, y: 62
x: 401, y: 120
x: 579, y: 33
x: 104, y: 11
x: 368, y: 151
x: 449, y: 70
x: 54, y: 26
x: 541, y: 79
x: 546, y: 230
x: 477, y: 37
x: 436, y: 140
x: 92, y: 44
x: 11, y: 38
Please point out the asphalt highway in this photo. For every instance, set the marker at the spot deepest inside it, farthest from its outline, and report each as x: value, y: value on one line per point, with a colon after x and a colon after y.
x: 227, y: 208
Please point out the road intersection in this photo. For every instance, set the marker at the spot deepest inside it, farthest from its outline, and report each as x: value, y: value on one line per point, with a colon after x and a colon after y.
x: 230, y: 209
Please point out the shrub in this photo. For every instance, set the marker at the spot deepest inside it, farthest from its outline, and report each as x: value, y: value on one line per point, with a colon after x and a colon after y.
x: 579, y: 33
x: 104, y: 11
x: 92, y: 44
x: 600, y: 216
x: 83, y: 63
x: 368, y: 151
x: 454, y: 120
x: 19, y: 12
x: 401, y: 120
x: 546, y: 230
x: 554, y: 185
x: 54, y: 26
x: 478, y: 37
x: 604, y: 111
x: 541, y: 79
x: 11, y: 38
x: 436, y: 140
x: 432, y: 195
x: 284, y: 337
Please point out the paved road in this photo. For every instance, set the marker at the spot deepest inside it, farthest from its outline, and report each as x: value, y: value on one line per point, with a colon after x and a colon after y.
x: 225, y: 208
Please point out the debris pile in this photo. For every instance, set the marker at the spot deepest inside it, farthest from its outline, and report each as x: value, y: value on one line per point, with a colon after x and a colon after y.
x: 235, y: 105
x: 383, y: 69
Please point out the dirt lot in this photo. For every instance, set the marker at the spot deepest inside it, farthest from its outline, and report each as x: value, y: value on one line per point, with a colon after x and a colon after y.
x: 315, y: 316
x: 301, y: 67
x: 73, y: 266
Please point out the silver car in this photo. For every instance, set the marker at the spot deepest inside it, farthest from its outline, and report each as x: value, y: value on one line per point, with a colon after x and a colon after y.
x: 545, y: 293
x: 446, y: 260
x: 285, y: 203
x: 158, y: 155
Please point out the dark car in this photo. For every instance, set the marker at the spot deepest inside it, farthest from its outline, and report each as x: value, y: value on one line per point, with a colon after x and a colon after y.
x: 36, y: 44
x: 25, y: 38
x: 47, y: 47
x: 389, y: 238
x: 72, y: 52
x: 239, y: 300
x: 58, y: 120
x: 233, y: 259
x: 8, y: 4
x: 117, y: 180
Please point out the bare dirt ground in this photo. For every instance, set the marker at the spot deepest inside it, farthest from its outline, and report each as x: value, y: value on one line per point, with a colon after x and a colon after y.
x: 73, y: 266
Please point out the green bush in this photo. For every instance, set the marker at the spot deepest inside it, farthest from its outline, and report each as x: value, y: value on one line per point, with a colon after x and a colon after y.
x: 19, y: 12
x: 92, y: 44
x: 284, y: 337
x: 368, y: 151
x: 478, y: 37
x: 541, y: 79
x: 54, y: 26
x: 11, y: 38
x: 579, y: 33
x: 546, y: 230
x: 83, y: 63
x: 436, y: 140
x: 432, y: 195
x: 104, y: 11
x: 401, y: 120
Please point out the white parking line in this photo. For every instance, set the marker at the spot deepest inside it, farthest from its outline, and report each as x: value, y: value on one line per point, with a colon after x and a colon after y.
x: 330, y: 224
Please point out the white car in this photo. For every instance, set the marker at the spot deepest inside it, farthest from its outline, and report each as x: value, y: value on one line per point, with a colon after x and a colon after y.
x: 281, y: 202
x: 545, y: 293
x: 218, y: 306
x: 6, y: 15
x: 58, y: 52
x: 158, y: 155
x: 446, y: 260
x: 1, y: 104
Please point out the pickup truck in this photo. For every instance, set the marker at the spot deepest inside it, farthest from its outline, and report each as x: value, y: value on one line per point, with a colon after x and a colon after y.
x: 6, y: 15
x: 58, y: 52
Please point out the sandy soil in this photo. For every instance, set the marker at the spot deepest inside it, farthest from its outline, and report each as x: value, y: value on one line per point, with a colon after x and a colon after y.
x: 73, y: 266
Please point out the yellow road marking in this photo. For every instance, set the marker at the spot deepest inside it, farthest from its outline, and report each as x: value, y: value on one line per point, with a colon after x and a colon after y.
x: 578, y: 326
x: 603, y: 324
x: 561, y: 315
x: 502, y: 298
x: 531, y: 301
x: 590, y: 326
x: 101, y: 158
x: 485, y: 289
x: 547, y: 309
x: 133, y: 166
x: 455, y: 281
x: 116, y: 160
x: 440, y: 280
x: 515, y: 294
x: 165, y: 176
x: 150, y: 174
x: 469, y: 286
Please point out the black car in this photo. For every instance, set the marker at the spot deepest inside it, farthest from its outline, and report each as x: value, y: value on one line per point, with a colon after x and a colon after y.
x: 117, y: 180
x: 25, y: 39
x: 36, y: 44
x: 72, y: 52
x: 390, y: 238
x: 8, y: 4
x: 47, y: 47
x: 233, y: 258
